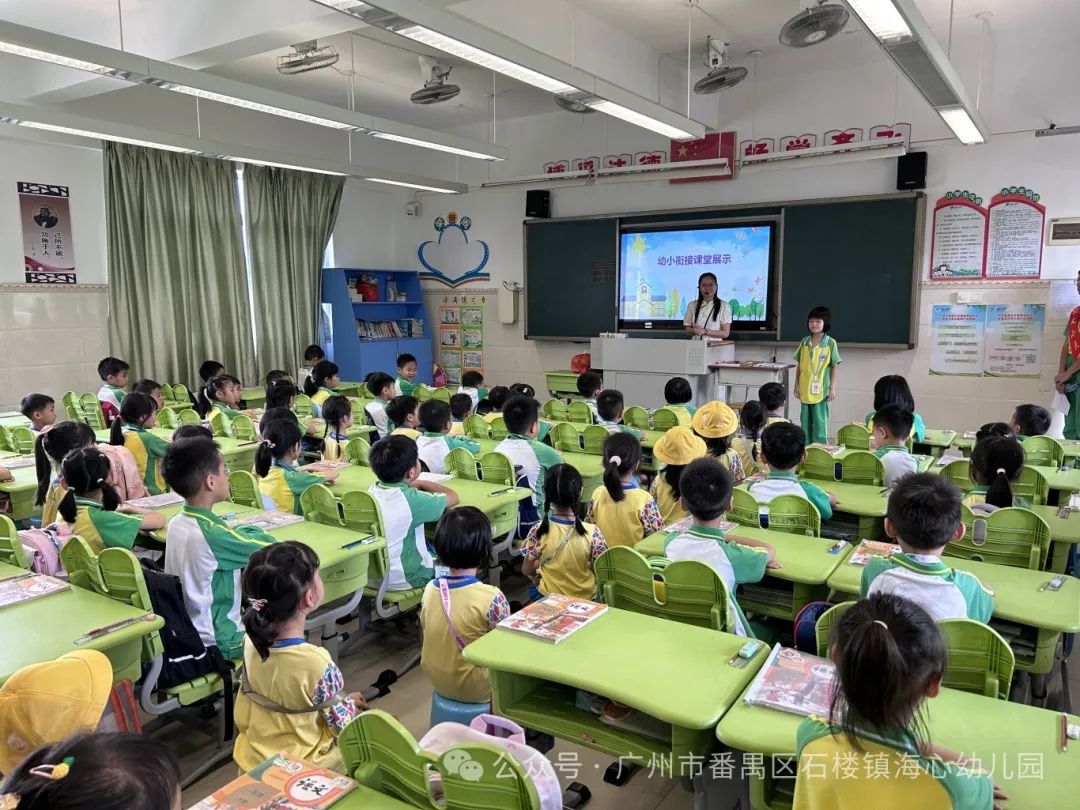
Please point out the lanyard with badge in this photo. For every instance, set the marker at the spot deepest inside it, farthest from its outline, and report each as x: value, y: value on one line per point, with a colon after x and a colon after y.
x: 819, y: 358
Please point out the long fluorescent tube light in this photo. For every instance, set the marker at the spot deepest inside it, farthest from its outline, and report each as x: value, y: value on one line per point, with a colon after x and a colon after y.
x: 85, y: 133
x: 882, y: 18
x: 958, y: 120
x: 55, y: 58
x: 639, y: 119
x: 408, y: 185
x: 254, y: 162
x: 390, y: 136
x: 245, y: 104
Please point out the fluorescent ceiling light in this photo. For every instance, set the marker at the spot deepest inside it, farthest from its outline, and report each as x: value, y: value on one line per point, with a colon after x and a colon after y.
x: 55, y: 58
x: 255, y: 162
x: 101, y: 136
x: 484, y: 59
x: 390, y: 136
x: 639, y: 119
x: 409, y: 185
x: 254, y: 105
x: 882, y: 18
x: 962, y: 125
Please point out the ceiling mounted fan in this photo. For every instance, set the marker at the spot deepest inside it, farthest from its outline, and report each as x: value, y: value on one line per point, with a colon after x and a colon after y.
x: 818, y: 21
x: 721, y: 75
x: 435, y: 89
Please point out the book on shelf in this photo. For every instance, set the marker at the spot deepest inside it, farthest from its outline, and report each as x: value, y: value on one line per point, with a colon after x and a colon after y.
x: 794, y: 682
x: 267, y: 521
x: 872, y: 548
x: 554, y: 618
x: 19, y: 588
x: 387, y: 330
x: 157, y: 501
x: 283, y: 783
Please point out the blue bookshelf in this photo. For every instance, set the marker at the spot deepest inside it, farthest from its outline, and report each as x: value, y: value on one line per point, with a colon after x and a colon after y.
x: 358, y: 356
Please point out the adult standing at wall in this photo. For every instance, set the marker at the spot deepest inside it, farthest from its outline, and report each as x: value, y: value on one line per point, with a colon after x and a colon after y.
x: 1067, y: 381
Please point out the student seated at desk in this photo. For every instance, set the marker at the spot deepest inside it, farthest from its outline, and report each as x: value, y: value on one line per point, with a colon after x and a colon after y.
x: 625, y: 513
x: 496, y: 401
x: 890, y: 657
x: 403, y: 414
x: 675, y: 449
x: 405, y: 384
x: 435, y: 443
x: 207, y: 371
x: 458, y: 609
x: 313, y: 354
x: 891, y: 427
x: 524, y: 389
x: 677, y: 396
x: 1029, y: 420
x: 783, y: 449
x: 275, y: 375
x: 609, y: 413
x: 114, y: 377
x: 202, y: 550
x: 40, y: 409
x: 406, y: 504
x: 589, y: 385
x: 995, y: 462
x: 717, y: 424
x: 280, y: 481
x: 324, y: 378
x: 522, y: 416
x: 380, y: 386
x: 152, y: 388
x: 472, y: 385
x: 753, y: 419
x: 995, y: 429
x: 773, y: 396
x: 281, y: 394
x: 561, y: 548
x: 893, y: 389
x: 461, y: 406
x: 923, y: 517
x: 192, y: 432
x: 223, y: 394
x: 337, y: 413
x: 706, y: 494
x: 282, y: 670
x: 138, y: 414
x: 93, y: 509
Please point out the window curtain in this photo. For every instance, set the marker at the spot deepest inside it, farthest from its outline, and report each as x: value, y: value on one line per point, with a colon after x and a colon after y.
x: 177, y: 285
x: 290, y: 217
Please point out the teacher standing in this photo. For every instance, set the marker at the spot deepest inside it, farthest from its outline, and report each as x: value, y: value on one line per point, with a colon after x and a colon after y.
x: 708, y: 316
x: 1066, y: 381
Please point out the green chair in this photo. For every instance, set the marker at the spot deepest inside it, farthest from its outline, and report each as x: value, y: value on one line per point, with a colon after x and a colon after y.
x: 476, y: 427
x: 744, y: 508
x: 92, y: 413
x: 565, y: 438
x: 853, y: 437
x: 685, y: 591
x: 1031, y: 485
x: 244, y: 429
x: 461, y: 463
x: 498, y: 428
x: 1015, y: 537
x: 823, y: 626
x: 188, y: 416
x: 73, y: 406
x: 441, y: 394
x: 182, y: 395
x: 320, y: 506
x: 380, y: 753
x: 422, y: 393
x: 959, y: 472
x: 167, y: 418
x: 579, y: 412
x: 794, y: 515
x: 11, y: 548
x: 360, y: 512
x: 22, y: 440
x: 554, y: 410
x: 1043, y: 451
x: 221, y: 425
x: 665, y: 419
x: 977, y: 658
x: 593, y: 438
x: 244, y: 489
x: 357, y: 451
x: 302, y: 406
x: 636, y: 417
x: 496, y: 468
x: 861, y: 467
x: 819, y: 464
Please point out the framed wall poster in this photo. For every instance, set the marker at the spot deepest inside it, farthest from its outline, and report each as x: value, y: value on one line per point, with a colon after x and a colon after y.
x: 472, y: 337
x: 48, y: 249
x: 956, y: 339
x: 473, y: 360
x: 1013, y: 340
x: 449, y: 315
x: 450, y: 337
x: 1014, y: 239
x: 450, y: 358
x: 958, y: 244
x: 472, y: 316
x: 453, y: 377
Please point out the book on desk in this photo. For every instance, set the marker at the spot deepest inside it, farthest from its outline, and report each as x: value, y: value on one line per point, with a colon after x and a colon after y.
x: 554, y: 618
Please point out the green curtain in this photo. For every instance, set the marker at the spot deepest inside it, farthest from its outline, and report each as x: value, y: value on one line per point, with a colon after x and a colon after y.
x: 177, y: 286
x: 290, y: 217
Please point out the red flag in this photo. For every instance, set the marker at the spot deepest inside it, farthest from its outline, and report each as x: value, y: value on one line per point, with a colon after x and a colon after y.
x: 713, y: 145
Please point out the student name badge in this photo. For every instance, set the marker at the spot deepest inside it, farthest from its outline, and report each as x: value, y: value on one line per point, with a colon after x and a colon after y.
x: 441, y: 571
x: 815, y: 388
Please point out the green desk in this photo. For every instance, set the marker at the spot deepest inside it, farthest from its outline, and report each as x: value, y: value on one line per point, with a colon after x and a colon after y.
x: 1004, y: 735
x: 365, y: 798
x: 1071, y: 447
x: 923, y: 460
x: 1017, y: 599
x: 562, y: 384
x: 1066, y: 481
x: 806, y: 567
x: 865, y: 503
x: 46, y: 628
x: 935, y: 441
x: 21, y: 491
x: 238, y: 454
x: 590, y: 466
x: 1064, y: 532
x: 253, y: 397
x: 13, y: 419
x: 630, y: 658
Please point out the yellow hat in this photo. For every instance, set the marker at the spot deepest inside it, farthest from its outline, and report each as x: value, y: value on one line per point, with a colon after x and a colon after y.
x: 714, y: 420
x: 679, y: 446
x: 44, y: 703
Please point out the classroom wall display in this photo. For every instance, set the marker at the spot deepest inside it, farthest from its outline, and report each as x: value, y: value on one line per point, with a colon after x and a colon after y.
x: 594, y: 162
x: 1014, y: 239
x: 48, y: 249
x: 958, y: 245
x: 753, y: 147
x: 461, y: 335
x: 956, y: 339
x: 451, y: 258
x: 714, y: 145
x: 987, y: 340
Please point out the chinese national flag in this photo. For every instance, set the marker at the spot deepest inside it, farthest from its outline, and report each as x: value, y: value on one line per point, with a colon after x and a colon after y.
x: 713, y: 145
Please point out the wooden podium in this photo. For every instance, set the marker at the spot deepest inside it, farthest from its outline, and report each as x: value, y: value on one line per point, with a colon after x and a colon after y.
x: 639, y: 367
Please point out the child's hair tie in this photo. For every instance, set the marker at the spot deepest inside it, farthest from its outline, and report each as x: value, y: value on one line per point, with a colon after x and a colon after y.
x: 1001, y: 471
x: 879, y: 621
x: 256, y: 604
x: 268, y: 443
x: 101, y: 481
x: 616, y: 460
x: 57, y: 771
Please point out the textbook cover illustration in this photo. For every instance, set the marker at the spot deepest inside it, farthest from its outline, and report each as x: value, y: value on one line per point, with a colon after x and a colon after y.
x: 870, y: 548
x: 794, y: 682
x: 280, y: 783
x: 21, y: 588
x: 157, y: 501
x: 554, y: 618
x: 267, y: 521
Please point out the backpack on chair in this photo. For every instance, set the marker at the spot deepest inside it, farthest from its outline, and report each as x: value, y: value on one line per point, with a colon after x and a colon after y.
x: 42, y: 547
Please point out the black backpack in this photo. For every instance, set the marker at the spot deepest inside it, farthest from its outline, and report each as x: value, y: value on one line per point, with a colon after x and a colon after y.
x: 185, y: 656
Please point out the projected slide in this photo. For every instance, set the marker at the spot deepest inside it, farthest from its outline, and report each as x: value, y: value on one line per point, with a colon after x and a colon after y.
x: 658, y: 271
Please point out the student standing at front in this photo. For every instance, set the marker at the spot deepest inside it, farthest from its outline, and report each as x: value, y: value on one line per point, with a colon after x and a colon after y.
x: 815, y: 374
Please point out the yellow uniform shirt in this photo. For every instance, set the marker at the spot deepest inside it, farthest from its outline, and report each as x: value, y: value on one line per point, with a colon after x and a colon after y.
x: 334, y: 447
x: 745, y: 447
x: 404, y: 431
x: 815, y: 368
x: 147, y: 450
x: 284, y: 485
x: 565, y: 557
x: 670, y: 509
x: 457, y: 428
x: 49, y: 509
x: 475, y: 609
x: 296, y: 675
x: 625, y: 522
x: 102, y: 528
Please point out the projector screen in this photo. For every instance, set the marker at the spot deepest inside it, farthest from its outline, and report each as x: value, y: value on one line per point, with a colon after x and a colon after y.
x: 659, y: 270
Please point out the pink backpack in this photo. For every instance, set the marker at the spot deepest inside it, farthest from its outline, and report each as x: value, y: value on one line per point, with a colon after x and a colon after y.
x: 42, y: 547
x: 124, y: 472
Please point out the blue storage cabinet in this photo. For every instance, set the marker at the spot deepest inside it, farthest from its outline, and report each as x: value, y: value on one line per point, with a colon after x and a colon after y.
x: 357, y: 357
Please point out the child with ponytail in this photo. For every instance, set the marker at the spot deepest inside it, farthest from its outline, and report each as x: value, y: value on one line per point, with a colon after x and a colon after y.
x: 890, y: 657
x: 292, y: 697
x: 223, y: 395
x: 281, y: 481
x: 624, y: 512
x: 752, y: 420
x: 337, y: 413
x: 996, y: 461
x: 138, y: 413
x: 92, y: 508
x: 321, y: 384
x: 561, y: 548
